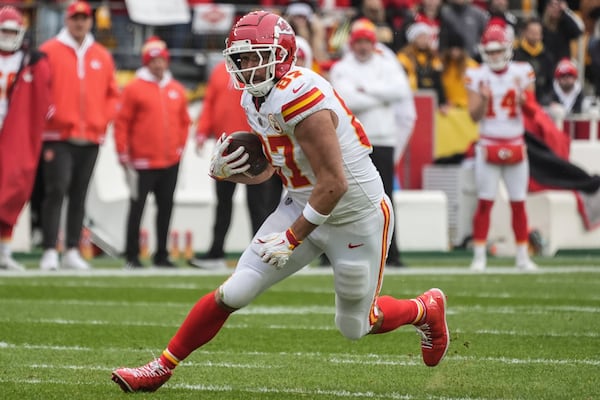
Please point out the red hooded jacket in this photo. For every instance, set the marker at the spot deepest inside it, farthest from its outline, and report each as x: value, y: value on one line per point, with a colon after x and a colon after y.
x: 84, y: 89
x: 21, y: 135
x: 152, y: 124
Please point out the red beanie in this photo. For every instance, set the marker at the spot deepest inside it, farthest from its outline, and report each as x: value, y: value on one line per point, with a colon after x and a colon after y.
x: 79, y: 7
x: 154, y: 47
x: 363, y: 29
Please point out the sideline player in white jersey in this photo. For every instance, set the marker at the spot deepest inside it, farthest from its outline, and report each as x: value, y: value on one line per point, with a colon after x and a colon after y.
x: 500, y: 91
x: 335, y: 204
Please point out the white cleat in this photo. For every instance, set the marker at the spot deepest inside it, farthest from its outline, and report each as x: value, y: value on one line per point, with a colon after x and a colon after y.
x: 49, y: 261
x: 526, y: 265
x: 478, y: 265
x: 72, y: 260
x: 9, y: 263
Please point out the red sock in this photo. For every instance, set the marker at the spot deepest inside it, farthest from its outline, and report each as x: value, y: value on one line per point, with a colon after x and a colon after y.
x: 397, y: 312
x: 202, y: 323
x: 481, y: 220
x: 519, y: 221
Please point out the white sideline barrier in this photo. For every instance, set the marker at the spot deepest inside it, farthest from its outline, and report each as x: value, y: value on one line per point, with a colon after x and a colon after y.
x: 421, y: 220
x: 565, y: 230
x: 586, y: 155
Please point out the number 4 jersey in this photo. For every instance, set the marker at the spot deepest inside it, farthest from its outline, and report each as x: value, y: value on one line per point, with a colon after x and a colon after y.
x: 297, y: 95
x: 503, y: 118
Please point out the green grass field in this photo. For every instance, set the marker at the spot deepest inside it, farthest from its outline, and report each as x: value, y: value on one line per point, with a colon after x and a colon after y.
x: 513, y: 336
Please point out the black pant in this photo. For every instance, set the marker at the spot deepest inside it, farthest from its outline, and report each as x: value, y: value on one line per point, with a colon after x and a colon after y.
x: 383, y: 158
x: 262, y: 200
x: 162, y: 183
x: 67, y: 169
x: 37, y: 197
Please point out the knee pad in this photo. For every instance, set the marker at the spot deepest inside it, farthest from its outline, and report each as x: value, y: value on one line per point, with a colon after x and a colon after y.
x: 240, y: 289
x: 351, y: 281
x: 354, y: 297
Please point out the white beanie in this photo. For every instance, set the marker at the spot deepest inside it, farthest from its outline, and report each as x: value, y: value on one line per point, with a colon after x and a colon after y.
x: 417, y: 29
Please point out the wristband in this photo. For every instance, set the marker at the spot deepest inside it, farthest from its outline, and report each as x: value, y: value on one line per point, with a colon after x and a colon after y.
x: 313, y: 216
x: 291, y: 237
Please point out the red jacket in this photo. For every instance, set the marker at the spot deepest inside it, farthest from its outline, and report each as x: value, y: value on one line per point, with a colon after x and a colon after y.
x: 85, y: 94
x: 152, y: 124
x: 221, y: 109
x: 21, y: 135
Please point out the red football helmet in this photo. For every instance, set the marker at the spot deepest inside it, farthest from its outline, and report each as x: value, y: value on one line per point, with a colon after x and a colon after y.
x: 12, y: 29
x: 496, y: 40
x: 271, y: 40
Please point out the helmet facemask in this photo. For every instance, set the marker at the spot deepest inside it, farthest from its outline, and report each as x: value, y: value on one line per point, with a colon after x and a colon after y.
x: 499, y: 61
x: 260, y: 57
x: 11, y: 35
x: 496, y: 47
x: 260, y: 49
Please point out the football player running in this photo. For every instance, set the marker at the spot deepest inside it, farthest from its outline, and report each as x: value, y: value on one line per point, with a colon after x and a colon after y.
x: 335, y: 203
x: 499, y: 92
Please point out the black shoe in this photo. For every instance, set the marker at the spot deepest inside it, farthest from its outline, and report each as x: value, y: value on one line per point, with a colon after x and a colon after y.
x: 164, y: 263
x: 134, y: 263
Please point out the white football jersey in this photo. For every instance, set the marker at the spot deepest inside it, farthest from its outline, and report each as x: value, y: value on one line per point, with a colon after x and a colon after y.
x: 298, y: 94
x: 9, y: 66
x: 503, y: 118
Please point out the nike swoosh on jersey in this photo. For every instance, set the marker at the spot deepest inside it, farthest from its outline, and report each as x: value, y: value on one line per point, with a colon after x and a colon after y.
x: 353, y: 246
x: 297, y: 89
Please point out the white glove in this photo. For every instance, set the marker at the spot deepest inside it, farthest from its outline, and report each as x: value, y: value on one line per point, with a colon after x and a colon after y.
x: 223, y: 166
x: 275, y: 249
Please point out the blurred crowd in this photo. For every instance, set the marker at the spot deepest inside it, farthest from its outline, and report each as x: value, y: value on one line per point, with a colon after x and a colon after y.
x: 441, y: 35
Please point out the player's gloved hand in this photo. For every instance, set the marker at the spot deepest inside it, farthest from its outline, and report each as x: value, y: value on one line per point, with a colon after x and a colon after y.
x: 223, y: 166
x: 275, y: 249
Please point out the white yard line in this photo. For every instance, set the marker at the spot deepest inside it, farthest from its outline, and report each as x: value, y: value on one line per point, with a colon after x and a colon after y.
x: 456, y: 270
x: 329, y: 327
x: 334, y: 358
